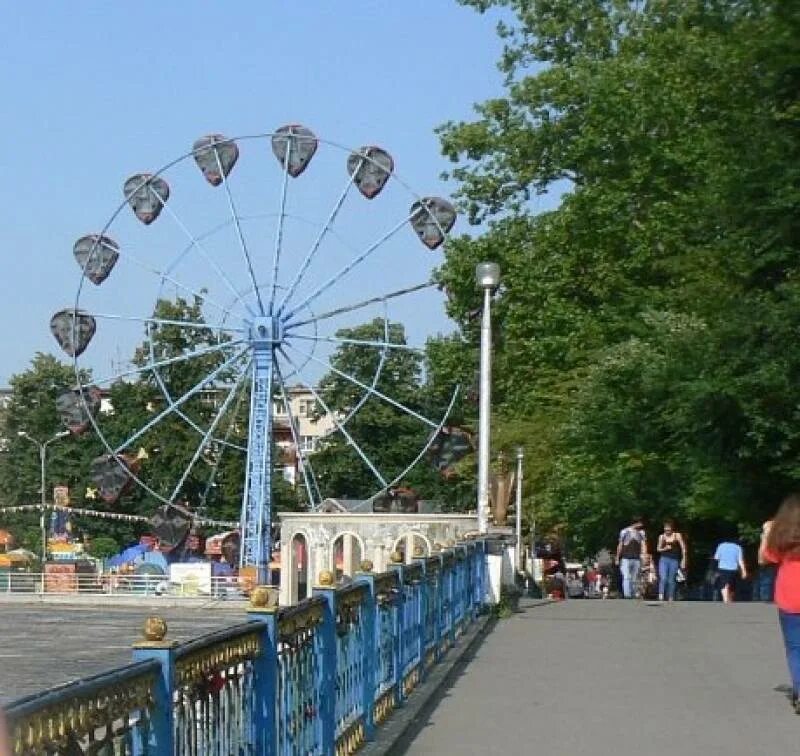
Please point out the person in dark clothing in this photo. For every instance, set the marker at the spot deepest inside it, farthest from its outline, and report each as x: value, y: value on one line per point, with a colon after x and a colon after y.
x: 631, y: 548
x: 671, y: 550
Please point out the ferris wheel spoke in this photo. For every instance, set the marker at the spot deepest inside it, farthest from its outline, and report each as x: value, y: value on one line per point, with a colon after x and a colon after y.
x: 427, y: 446
x: 358, y: 342
x: 171, y: 361
x: 350, y: 440
x: 378, y: 371
x: 318, y: 241
x: 174, y: 405
x: 166, y: 276
x: 195, y: 243
x: 168, y: 322
x: 279, y: 228
x: 373, y: 391
x: 168, y: 396
x: 290, y: 324
x: 242, y: 243
x: 307, y: 469
x: 333, y: 280
x: 225, y: 441
x: 211, y: 428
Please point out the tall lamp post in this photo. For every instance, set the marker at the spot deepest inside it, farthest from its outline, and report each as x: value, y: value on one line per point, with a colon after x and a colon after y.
x: 520, y: 458
x: 42, y: 446
x: 487, y: 278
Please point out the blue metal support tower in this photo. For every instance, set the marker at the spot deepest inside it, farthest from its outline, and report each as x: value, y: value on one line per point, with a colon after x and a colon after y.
x: 265, y: 335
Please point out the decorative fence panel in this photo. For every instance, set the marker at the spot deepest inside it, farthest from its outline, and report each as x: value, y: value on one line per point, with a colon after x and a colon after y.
x: 107, y: 714
x: 315, y: 678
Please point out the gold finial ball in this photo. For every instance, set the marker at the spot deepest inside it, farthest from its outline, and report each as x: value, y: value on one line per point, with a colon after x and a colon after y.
x: 326, y: 578
x: 263, y: 597
x: 397, y: 557
x: 155, y: 628
x: 366, y: 566
x: 419, y: 551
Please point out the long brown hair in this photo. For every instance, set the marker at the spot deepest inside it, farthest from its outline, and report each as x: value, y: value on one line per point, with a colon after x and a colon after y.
x: 784, y: 535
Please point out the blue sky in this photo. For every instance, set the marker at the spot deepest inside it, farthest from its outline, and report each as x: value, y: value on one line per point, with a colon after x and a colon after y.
x: 93, y: 92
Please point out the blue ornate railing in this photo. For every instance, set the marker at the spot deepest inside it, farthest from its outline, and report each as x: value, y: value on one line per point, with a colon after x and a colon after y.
x: 315, y: 678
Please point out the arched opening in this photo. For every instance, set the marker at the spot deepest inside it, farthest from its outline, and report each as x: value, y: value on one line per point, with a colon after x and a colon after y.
x: 347, y: 555
x: 300, y: 586
x: 412, y: 546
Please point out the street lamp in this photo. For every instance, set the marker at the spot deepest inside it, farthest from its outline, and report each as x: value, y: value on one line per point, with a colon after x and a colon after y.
x: 487, y: 277
x: 520, y: 457
x: 42, y: 446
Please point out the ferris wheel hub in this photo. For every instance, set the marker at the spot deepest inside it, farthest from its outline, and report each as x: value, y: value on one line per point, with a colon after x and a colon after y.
x: 266, y: 331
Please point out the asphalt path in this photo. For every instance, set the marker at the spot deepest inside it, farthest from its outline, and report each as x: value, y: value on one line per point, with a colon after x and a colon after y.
x: 46, y: 645
x: 620, y: 678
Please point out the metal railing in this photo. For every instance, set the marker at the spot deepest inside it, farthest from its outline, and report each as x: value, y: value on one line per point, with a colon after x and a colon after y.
x: 108, y: 713
x: 60, y: 584
x: 315, y: 678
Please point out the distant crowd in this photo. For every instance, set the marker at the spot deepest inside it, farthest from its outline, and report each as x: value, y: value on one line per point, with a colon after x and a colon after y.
x: 778, y: 558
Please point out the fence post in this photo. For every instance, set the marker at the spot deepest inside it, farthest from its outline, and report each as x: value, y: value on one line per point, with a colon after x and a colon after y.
x: 451, y: 596
x: 327, y: 590
x: 264, y: 607
x: 160, y: 738
x: 399, y: 621
x: 471, y: 577
x: 422, y: 607
x: 461, y: 584
x: 370, y: 650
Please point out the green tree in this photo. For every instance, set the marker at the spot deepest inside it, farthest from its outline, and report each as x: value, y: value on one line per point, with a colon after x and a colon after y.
x: 103, y: 547
x: 390, y: 437
x: 32, y: 409
x: 645, y: 324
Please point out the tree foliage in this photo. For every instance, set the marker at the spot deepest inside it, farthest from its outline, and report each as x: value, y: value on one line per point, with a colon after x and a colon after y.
x: 646, y: 324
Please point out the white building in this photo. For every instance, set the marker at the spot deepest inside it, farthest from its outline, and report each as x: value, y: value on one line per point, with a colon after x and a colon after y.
x: 311, y: 424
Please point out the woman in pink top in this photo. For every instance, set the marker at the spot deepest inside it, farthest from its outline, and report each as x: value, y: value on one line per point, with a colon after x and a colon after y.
x: 780, y: 544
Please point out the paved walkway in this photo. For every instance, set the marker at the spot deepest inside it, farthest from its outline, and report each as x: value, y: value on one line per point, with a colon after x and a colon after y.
x: 620, y: 678
x: 46, y: 645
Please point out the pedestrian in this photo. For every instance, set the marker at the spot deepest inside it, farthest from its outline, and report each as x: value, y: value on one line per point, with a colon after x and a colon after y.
x: 730, y: 562
x: 631, y: 548
x: 671, y: 550
x: 766, y: 572
x: 780, y: 545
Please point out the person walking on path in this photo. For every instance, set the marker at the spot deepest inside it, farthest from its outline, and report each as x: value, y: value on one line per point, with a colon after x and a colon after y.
x: 780, y: 545
x: 631, y: 548
x: 671, y: 550
x: 730, y: 560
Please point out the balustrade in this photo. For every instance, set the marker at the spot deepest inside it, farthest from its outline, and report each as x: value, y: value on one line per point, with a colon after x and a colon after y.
x: 314, y: 678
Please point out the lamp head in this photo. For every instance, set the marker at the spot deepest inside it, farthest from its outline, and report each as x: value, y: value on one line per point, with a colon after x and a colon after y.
x: 520, y: 452
x: 487, y: 275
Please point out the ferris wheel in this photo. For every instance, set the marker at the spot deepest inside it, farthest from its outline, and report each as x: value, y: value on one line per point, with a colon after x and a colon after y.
x: 268, y: 290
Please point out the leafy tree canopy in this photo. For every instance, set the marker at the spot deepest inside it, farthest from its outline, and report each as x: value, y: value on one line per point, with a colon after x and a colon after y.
x: 645, y: 327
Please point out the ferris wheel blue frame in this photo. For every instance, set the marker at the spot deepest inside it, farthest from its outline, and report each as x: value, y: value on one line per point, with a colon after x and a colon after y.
x: 259, y: 331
